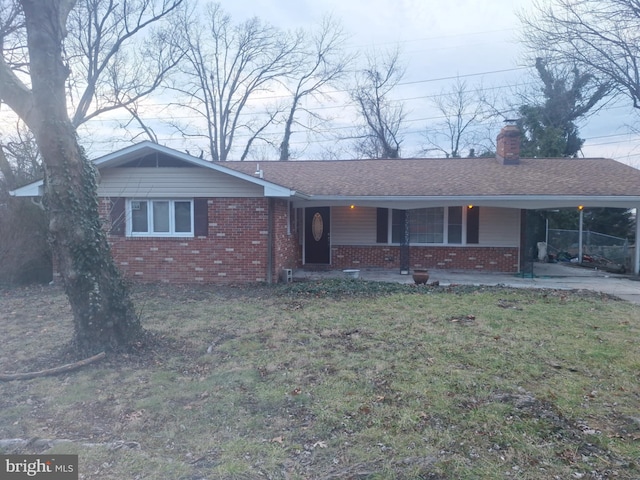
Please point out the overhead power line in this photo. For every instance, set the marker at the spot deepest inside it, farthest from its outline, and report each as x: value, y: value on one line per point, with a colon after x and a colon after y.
x: 467, y: 75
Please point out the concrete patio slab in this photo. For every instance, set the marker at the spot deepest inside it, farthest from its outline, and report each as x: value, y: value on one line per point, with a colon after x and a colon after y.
x: 545, y: 275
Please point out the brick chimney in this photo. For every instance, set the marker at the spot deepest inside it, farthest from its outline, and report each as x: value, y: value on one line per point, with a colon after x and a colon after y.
x: 508, y: 145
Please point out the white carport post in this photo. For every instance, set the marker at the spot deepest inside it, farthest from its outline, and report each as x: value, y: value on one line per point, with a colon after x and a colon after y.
x: 580, y: 235
x: 636, y: 261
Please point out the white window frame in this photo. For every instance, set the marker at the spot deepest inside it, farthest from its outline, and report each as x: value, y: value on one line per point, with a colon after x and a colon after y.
x: 172, y: 226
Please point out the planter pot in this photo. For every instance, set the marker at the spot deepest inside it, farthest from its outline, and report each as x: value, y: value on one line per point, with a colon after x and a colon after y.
x: 420, y: 276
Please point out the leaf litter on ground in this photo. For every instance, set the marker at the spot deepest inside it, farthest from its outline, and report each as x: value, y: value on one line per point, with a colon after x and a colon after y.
x: 335, y: 379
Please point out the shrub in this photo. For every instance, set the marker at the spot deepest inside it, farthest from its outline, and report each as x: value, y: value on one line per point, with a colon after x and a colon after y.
x: 25, y: 256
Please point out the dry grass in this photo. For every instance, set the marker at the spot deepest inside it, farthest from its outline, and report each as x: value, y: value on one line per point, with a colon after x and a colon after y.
x: 338, y: 380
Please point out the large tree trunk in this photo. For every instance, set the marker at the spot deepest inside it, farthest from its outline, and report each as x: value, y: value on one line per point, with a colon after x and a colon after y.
x: 104, y: 317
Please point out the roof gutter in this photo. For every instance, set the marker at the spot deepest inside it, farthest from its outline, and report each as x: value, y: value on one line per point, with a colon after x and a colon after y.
x: 532, y: 202
x: 270, y: 252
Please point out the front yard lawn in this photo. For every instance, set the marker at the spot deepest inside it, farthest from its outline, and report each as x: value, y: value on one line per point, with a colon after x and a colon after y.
x: 335, y: 380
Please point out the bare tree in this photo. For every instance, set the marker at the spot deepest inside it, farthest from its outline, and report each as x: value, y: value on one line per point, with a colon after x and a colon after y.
x: 120, y: 52
x: 8, y: 179
x: 110, y: 67
x: 25, y: 255
x: 20, y: 160
x: 463, y: 111
x: 104, y: 317
x: 226, y: 67
x: 600, y: 37
x: 137, y: 118
x: 323, y: 63
x: 12, y: 38
x: 380, y: 135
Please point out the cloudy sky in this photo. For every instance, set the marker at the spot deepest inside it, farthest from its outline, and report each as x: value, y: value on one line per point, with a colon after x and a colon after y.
x: 439, y: 41
x: 475, y: 40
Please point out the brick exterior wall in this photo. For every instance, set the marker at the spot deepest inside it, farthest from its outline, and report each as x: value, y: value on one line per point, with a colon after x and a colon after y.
x: 490, y: 259
x: 235, y: 250
x: 287, y: 247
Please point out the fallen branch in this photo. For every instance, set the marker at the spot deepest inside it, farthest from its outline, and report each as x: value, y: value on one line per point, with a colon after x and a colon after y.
x: 43, y: 444
x: 7, y: 377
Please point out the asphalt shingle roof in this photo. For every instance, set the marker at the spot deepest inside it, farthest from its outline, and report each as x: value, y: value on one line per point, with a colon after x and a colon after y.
x: 454, y: 177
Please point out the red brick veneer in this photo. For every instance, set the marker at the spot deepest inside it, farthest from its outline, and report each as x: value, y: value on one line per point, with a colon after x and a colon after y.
x: 287, y: 247
x: 493, y: 259
x: 235, y: 249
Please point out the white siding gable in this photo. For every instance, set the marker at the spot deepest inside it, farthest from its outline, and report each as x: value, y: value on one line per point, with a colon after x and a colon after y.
x: 173, y: 182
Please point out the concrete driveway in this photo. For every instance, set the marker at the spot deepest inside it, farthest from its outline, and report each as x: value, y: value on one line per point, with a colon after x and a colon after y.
x: 546, y: 275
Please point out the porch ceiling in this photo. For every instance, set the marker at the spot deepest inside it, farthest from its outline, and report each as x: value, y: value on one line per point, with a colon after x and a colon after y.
x: 527, y: 202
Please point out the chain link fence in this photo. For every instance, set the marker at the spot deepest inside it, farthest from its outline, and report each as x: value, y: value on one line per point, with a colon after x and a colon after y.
x: 595, y: 246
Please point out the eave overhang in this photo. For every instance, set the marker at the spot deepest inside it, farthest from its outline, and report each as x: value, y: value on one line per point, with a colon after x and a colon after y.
x: 527, y: 202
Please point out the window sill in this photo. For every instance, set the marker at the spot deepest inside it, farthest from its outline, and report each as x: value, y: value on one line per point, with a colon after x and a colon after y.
x: 159, y: 237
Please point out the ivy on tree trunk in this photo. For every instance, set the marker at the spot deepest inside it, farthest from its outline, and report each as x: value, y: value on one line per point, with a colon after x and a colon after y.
x: 104, y: 316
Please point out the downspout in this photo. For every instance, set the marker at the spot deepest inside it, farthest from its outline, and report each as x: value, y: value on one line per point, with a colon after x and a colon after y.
x: 405, y: 254
x: 523, y: 243
x: 636, y: 263
x: 270, y: 207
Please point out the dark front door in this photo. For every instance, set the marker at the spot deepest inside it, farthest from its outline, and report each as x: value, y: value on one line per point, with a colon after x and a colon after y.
x: 317, y: 247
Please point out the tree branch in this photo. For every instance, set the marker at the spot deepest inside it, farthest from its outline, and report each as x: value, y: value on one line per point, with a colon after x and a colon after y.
x: 7, y: 377
x: 16, y: 94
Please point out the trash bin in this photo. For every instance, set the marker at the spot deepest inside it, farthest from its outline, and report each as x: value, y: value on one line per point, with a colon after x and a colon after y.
x: 542, y: 252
